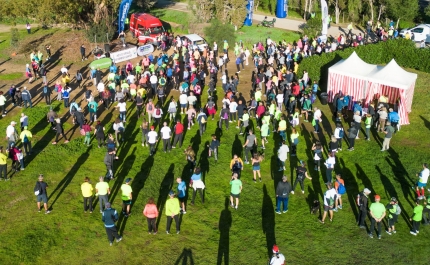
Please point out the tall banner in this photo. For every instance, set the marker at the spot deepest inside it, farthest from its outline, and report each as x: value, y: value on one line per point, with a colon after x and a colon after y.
x: 324, y: 17
x: 249, y: 13
x: 124, y: 7
x: 281, y: 8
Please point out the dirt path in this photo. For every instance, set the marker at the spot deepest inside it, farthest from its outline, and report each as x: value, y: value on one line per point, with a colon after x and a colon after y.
x: 6, y: 28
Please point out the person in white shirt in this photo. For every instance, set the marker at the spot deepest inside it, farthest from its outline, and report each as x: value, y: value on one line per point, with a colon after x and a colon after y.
x: 215, y: 49
x: 422, y: 181
x: 152, y: 140
x: 183, y: 100
x: 233, y: 110
x: 247, y: 54
x: 118, y: 127
x: 220, y: 63
x: 191, y: 100
x: 100, y: 89
x: 337, y: 133
x: 278, y: 258
x: 317, y: 118
x: 329, y: 163
x: 224, y: 82
x: 122, y: 109
x: 64, y: 70
x: 154, y: 82
x: 269, y: 41
x: 131, y: 78
x: 280, y: 100
x: 283, y: 155
x: 11, y: 134
x: 330, y: 197
x: 166, y: 133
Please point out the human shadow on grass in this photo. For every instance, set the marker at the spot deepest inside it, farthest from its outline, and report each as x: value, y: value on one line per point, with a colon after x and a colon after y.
x: 237, y: 147
x: 224, y: 225
x: 426, y: 122
x: 69, y: 176
x: 137, y: 185
x: 390, y: 191
x: 312, y: 196
x: 399, y: 175
x: 186, y: 257
x: 268, y: 220
x: 350, y: 185
x: 275, y: 163
x: 314, y: 174
x: 165, y: 187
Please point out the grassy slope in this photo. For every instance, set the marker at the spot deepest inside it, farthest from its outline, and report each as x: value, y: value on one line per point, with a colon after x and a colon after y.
x: 68, y: 236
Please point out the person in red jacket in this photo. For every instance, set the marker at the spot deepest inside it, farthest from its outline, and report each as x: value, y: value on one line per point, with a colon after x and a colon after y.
x: 261, y: 109
x: 295, y: 89
x: 151, y: 214
x: 179, y: 134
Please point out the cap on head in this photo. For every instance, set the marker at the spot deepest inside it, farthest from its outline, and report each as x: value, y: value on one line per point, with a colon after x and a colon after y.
x: 127, y: 180
x: 171, y: 193
x: 377, y: 197
x: 393, y: 199
x: 13, y: 123
x: 152, y: 127
x: 275, y: 249
x: 107, y: 205
x: 367, y: 191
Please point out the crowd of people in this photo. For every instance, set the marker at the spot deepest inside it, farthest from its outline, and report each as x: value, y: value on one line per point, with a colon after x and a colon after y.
x: 279, y: 101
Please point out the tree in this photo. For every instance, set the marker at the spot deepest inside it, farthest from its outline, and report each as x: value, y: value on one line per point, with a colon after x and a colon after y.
x: 402, y: 9
x: 230, y: 11
x: 218, y: 31
x: 203, y: 10
x: 354, y: 9
x: 313, y: 26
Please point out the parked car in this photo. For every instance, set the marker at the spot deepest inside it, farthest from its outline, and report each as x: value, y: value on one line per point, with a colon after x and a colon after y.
x: 197, y: 41
x: 421, y: 32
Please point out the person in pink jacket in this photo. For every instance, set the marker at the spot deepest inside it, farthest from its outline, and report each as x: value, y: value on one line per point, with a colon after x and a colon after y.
x: 151, y: 213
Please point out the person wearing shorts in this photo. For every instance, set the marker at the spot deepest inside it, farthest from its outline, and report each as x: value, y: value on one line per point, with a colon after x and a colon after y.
x: 42, y: 195
x: 256, y: 160
x: 126, y: 197
x: 182, y: 187
x: 392, y: 216
x: 329, y: 199
x: 422, y: 181
x: 236, y: 189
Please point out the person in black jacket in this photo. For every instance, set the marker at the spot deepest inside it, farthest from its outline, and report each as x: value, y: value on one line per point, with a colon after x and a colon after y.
x: 47, y: 93
x: 59, y: 131
x: 109, y: 217
x: 352, y: 133
x: 362, y: 202
x: 108, y: 160
x: 224, y: 117
x: 282, y: 195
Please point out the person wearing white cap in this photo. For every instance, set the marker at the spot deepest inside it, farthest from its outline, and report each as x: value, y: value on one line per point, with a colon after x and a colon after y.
x: 11, y: 133
x: 277, y: 258
x: 362, y: 202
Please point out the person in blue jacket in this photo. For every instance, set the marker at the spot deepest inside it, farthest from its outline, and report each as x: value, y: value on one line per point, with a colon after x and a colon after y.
x: 394, y: 118
x: 113, y: 68
x: 357, y: 107
x: 109, y: 217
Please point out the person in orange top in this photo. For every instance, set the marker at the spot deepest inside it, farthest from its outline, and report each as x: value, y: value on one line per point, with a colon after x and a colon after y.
x: 339, y: 191
x: 151, y: 214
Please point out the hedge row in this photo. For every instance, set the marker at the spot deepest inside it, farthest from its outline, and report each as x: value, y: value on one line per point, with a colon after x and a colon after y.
x: 403, y: 51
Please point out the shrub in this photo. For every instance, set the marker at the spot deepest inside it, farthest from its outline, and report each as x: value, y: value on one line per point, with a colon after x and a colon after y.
x: 99, y: 30
x: 403, y: 51
x: 219, y: 32
x: 14, y: 37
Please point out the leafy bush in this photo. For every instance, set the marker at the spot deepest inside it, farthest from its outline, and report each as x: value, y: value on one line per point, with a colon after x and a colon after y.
x: 403, y: 51
x: 14, y: 37
x: 99, y: 30
x: 312, y: 27
x: 219, y: 32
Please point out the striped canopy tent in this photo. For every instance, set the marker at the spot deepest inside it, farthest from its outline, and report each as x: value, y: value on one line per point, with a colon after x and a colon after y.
x: 350, y: 77
x: 395, y: 83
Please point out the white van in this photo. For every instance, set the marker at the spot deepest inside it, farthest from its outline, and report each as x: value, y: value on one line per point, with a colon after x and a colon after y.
x: 421, y: 32
x: 197, y: 41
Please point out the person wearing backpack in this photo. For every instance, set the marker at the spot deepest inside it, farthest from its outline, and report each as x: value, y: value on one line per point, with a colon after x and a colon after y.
x: 158, y: 113
x: 329, y: 200
x: 302, y: 173
x: 202, y: 118
x: 25, y: 137
x: 42, y: 195
x: 236, y: 165
x: 224, y: 116
x: 362, y: 203
x: 393, y: 213
x: 339, y: 186
x: 339, y: 133
x: 109, y: 217
x: 66, y: 95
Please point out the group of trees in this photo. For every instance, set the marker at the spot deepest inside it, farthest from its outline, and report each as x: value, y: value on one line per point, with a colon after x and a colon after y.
x: 226, y: 11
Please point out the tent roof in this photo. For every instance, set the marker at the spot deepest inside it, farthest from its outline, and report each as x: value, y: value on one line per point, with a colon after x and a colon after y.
x: 353, y: 66
x: 394, y: 76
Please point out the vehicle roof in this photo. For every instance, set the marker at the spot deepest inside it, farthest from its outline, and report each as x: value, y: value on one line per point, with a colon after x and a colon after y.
x: 421, y: 25
x: 148, y: 18
x: 193, y: 37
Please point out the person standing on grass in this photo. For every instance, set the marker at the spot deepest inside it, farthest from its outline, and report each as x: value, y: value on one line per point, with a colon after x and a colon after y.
x: 283, y: 190
x: 213, y: 147
x: 362, y: 203
x: 166, y: 134
x: 283, y: 155
x: 151, y: 213
x: 251, y: 140
x: 426, y: 211
x: 329, y: 200
x: 329, y: 163
x: 11, y: 133
x: 102, y: 191
x: 182, y: 191
x: 377, y: 213
x: 256, y: 160
x: 223, y: 116
x: 3, y: 103
x: 236, y: 165
x: 59, y: 131
x: 46, y: 93
x: 388, y: 131
x: 236, y: 189
x: 339, y: 186
x: 126, y: 196
x: 87, y: 193
x: 352, y: 134
x: 191, y: 113
x: 150, y: 109
x: 197, y: 184
x: 179, y: 133
x: 393, y: 213
x: 264, y: 133
x: 301, y: 174
x: 92, y: 109
x: 26, y: 97
x: 422, y: 181
x: 3, y: 165
x: 26, y: 137
x: 278, y: 258
x: 172, y: 212
x: 339, y: 134
x: 152, y: 140
x: 202, y: 118
x: 42, y: 195
x: 99, y: 132
x: 108, y: 160
x: 416, y: 218
x: 109, y: 217
x: 368, y: 124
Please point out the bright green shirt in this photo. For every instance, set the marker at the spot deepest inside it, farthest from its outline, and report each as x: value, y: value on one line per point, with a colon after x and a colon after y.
x: 294, y: 136
x: 378, y: 209
x: 3, y: 159
x: 368, y: 122
x: 138, y: 68
x: 102, y: 188
x: 126, y: 192
x: 225, y: 45
x: 258, y: 96
x: 236, y: 186
x: 264, y: 130
x: 172, y: 207
x: 418, y: 213
x: 266, y: 118
x: 87, y: 189
x: 245, y: 117
x: 278, y: 114
x: 272, y: 109
x: 282, y: 126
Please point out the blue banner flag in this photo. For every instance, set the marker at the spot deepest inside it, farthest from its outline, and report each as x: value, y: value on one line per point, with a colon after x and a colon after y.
x: 124, y: 7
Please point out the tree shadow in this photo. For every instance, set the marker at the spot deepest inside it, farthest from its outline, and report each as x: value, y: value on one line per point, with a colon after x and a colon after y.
x: 165, y: 187
x: 185, y: 258
x: 268, y: 220
x: 224, y: 224
x: 69, y: 176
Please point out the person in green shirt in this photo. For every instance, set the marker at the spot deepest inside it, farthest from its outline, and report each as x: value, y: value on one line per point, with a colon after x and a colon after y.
x: 306, y: 107
x: 126, y: 196
x: 368, y: 125
x: 392, y: 215
x: 87, y: 193
x: 172, y: 212
x: 426, y: 211
x: 138, y: 70
x: 377, y: 213
x: 244, y: 122
x: 282, y: 127
x: 258, y: 95
x: 3, y: 164
x: 102, y: 191
x: 152, y: 67
x: 25, y: 137
x: 236, y: 189
x: 416, y: 218
x: 92, y: 109
x: 264, y: 133
x: 225, y: 47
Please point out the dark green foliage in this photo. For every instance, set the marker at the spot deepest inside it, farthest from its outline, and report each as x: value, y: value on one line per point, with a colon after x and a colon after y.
x: 99, y: 31
x: 219, y: 32
x: 403, y: 51
x: 313, y: 26
x: 14, y: 37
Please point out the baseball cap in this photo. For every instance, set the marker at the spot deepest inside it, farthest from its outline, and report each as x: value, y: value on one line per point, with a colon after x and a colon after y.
x: 377, y: 197
x: 171, y: 193
x: 152, y: 127
x: 393, y: 199
x: 366, y: 190
x: 275, y: 249
x: 107, y: 205
x: 127, y: 180
x: 13, y: 123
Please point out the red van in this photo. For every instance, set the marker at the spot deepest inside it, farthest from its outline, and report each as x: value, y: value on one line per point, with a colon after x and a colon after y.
x: 145, y: 27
